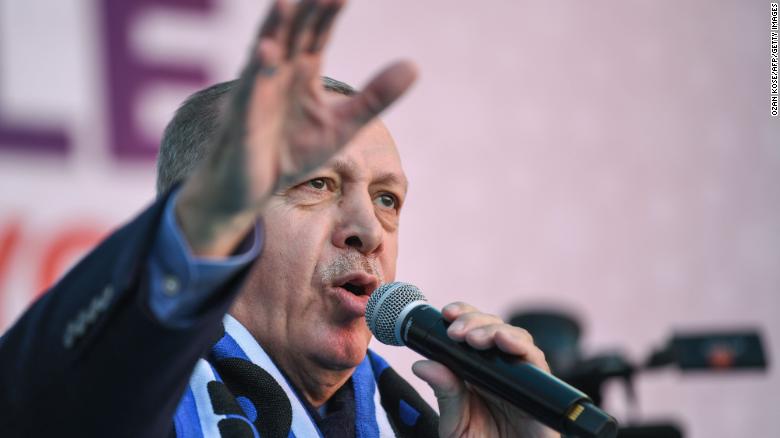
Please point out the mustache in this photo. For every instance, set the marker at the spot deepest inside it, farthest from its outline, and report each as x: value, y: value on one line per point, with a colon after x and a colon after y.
x: 348, y: 262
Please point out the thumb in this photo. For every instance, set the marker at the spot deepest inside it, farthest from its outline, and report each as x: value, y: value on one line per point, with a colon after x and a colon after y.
x: 381, y: 91
x: 451, y: 394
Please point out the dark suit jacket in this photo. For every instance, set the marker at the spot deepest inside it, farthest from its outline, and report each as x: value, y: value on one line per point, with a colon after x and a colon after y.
x: 90, y: 359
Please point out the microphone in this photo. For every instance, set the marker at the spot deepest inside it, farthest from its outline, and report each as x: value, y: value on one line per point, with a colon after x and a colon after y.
x: 398, y: 314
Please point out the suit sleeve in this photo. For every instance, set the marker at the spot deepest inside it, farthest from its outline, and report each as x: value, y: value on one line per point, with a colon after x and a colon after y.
x: 179, y: 281
x: 90, y: 358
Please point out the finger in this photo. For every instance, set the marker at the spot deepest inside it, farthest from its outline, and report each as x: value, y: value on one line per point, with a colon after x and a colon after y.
x: 301, y: 26
x: 467, y: 322
x: 451, y: 394
x: 380, y: 92
x: 276, y: 26
x: 263, y: 64
x: 453, y: 310
x: 272, y: 25
x: 264, y: 59
x: 483, y: 337
x: 323, y: 26
x: 517, y: 344
x: 267, y: 52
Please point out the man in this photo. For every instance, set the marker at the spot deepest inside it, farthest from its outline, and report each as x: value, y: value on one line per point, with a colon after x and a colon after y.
x: 311, y: 182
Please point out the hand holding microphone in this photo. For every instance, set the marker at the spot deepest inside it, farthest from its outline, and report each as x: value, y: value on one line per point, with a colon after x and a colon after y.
x: 499, y: 362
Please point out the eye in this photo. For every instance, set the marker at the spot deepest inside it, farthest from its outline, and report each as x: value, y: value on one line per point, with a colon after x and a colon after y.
x: 317, y: 183
x: 386, y: 200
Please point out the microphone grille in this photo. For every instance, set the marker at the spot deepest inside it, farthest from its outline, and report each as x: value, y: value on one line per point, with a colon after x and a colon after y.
x: 385, y: 306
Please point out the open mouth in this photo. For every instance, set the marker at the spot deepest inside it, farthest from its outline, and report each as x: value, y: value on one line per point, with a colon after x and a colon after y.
x: 355, y: 289
x: 359, y: 284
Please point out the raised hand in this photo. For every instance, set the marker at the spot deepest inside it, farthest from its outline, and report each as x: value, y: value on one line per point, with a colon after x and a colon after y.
x: 467, y: 411
x: 280, y: 125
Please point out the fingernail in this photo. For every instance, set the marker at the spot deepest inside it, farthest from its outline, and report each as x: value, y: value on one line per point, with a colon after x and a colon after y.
x: 457, y: 326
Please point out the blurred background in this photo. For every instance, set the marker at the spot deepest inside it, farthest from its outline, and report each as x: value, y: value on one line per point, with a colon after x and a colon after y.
x: 614, y: 161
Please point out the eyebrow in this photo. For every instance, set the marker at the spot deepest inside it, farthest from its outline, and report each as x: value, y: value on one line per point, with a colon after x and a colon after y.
x: 393, y: 179
x: 345, y: 166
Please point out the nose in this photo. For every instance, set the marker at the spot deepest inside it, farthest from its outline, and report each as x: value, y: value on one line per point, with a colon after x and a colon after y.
x: 358, y: 226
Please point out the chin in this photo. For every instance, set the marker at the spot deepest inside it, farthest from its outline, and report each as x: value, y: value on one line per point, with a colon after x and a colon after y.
x: 344, y: 349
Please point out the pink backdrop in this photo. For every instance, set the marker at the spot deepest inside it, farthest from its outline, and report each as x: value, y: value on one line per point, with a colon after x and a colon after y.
x: 617, y: 158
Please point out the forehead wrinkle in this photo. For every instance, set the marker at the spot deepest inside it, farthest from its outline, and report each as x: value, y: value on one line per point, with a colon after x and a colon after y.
x: 345, y: 166
x: 350, y: 170
x: 391, y: 178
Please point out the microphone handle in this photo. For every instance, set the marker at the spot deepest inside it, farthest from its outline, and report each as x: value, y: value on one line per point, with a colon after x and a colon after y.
x: 541, y: 395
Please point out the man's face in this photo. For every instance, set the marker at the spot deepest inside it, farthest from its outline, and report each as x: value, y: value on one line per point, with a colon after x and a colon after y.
x: 329, y: 242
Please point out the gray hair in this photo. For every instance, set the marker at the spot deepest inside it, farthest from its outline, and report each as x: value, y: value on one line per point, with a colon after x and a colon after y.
x: 188, y: 136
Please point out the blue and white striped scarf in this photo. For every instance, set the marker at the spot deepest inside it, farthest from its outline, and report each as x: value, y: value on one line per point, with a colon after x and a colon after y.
x: 385, y: 405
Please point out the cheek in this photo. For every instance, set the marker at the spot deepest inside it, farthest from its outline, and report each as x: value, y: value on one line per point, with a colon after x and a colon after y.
x: 293, y: 244
x: 287, y: 256
x: 388, y: 259
x: 389, y: 270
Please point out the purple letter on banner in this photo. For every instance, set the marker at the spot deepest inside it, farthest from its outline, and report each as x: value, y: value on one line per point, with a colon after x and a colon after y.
x: 128, y: 74
x: 28, y: 137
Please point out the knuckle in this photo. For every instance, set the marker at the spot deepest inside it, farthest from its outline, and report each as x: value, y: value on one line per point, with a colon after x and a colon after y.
x: 498, y: 320
x: 468, y: 317
x: 525, y: 334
